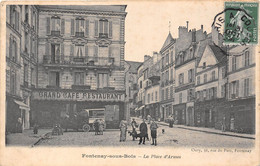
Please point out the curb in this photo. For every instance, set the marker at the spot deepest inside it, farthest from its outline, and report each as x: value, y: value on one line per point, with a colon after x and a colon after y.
x: 40, y: 139
x: 210, y: 132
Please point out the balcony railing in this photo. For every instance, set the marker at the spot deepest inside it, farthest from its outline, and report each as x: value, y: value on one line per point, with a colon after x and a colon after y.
x: 79, y: 34
x: 103, y: 35
x: 71, y: 60
x: 55, y: 33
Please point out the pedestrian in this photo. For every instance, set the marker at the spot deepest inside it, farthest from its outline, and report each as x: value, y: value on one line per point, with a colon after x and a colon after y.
x: 134, y: 125
x: 224, y: 124
x: 123, y: 129
x: 101, y: 126
x: 19, y: 128
x: 35, y: 128
x: 171, y: 121
x: 143, y: 132
x: 96, y: 126
x: 149, y: 118
x: 153, y: 128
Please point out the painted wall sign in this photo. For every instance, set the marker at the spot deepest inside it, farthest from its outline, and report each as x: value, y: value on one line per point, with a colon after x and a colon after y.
x: 78, y: 96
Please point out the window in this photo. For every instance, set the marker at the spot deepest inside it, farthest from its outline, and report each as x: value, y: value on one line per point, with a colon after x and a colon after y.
x: 198, y: 80
x: 105, y: 28
x: 162, y: 62
x: 26, y: 72
x: 205, y: 78
x: 26, y: 38
x: 55, y: 53
x: 167, y: 75
x: 190, y: 94
x: 233, y: 89
x: 162, y: 94
x: 171, y: 76
x: 148, y: 98
x: 152, y: 97
x: 190, y: 75
x: 167, y: 93
x: 13, y: 83
x: 55, y: 26
x: 201, y: 95
x: 79, y: 78
x: 223, y: 71
x: 14, y: 17
x: 246, y: 87
x: 167, y: 58
x: 79, y: 50
x: 171, y: 56
x: 80, y: 27
x: 171, y: 92
x: 156, y: 94
x: 180, y: 97
x: 13, y: 50
x: 140, y: 84
x: 102, y: 80
x: 223, y: 91
x: 234, y: 63
x: 204, y: 65
x: 246, y: 58
x: 33, y: 77
x: 181, y: 79
x: 54, y: 79
x: 213, y: 75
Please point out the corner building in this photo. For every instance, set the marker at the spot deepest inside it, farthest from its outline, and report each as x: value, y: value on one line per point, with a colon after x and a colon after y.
x: 80, y: 62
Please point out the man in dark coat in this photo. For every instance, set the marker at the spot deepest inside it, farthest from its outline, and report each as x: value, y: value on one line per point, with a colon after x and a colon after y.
x: 143, y: 132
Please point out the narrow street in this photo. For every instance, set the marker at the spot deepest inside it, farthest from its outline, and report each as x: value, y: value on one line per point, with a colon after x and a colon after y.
x: 174, y: 137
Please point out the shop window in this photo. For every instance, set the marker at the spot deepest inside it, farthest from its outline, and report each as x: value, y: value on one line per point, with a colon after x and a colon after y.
x: 79, y: 78
x: 102, y: 80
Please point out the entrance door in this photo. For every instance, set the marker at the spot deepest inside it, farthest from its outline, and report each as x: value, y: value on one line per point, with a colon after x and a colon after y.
x: 190, y: 117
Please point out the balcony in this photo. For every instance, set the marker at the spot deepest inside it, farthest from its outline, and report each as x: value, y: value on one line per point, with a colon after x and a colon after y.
x: 55, y: 33
x: 79, y: 34
x: 82, y: 87
x: 79, y: 61
x: 103, y: 35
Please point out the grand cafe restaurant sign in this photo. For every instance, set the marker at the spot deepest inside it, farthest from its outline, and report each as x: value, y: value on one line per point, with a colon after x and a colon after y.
x: 78, y: 96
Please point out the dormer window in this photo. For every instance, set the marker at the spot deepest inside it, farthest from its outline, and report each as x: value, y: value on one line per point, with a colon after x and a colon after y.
x: 204, y: 65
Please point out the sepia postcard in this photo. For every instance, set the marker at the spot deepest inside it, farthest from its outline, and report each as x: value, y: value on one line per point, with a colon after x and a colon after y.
x: 129, y: 83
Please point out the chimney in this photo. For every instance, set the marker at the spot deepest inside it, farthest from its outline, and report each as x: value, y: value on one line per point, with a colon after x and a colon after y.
x: 187, y: 24
x: 146, y: 57
x: 201, y: 28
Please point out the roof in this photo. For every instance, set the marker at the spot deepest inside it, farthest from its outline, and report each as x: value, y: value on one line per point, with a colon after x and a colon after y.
x: 218, y: 52
x: 168, y: 41
x: 134, y: 66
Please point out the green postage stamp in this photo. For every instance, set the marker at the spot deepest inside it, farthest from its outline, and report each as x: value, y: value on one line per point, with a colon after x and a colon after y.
x: 241, y: 23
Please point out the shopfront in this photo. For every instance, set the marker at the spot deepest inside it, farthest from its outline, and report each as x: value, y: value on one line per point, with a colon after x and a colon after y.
x: 49, y: 106
x: 180, y: 113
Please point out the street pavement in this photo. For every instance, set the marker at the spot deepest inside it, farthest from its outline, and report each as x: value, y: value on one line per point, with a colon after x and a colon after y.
x: 173, y: 137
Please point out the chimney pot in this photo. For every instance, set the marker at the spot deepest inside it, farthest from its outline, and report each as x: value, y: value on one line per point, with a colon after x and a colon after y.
x: 187, y: 24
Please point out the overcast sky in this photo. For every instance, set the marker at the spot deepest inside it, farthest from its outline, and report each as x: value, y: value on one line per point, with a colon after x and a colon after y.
x: 147, y: 24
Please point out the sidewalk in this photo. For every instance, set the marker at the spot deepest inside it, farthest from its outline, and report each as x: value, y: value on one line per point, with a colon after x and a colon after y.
x: 27, y: 138
x: 210, y: 130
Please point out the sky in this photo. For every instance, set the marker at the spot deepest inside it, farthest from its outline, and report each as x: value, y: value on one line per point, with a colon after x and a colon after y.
x: 147, y: 23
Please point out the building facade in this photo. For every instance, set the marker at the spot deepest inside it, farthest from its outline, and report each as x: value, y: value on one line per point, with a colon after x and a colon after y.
x: 80, y: 62
x: 167, y: 75
x: 21, y: 63
x: 187, y: 55
x: 131, y: 88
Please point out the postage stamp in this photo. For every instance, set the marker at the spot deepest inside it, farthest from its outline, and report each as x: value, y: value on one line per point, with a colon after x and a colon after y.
x: 241, y: 23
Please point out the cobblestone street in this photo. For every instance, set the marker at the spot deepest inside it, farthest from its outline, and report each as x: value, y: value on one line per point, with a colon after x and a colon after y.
x: 174, y: 137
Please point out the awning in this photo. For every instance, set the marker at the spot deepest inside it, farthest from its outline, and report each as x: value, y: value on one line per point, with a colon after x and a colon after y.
x: 22, y: 105
x: 141, y: 107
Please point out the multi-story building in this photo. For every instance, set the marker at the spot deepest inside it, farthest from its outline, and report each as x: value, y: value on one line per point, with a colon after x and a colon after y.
x: 80, y: 62
x: 211, y: 87
x: 167, y: 77
x: 185, y: 64
x: 131, y: 88
x: 240, y: 114
x: 21, y: 63
x: 141, y: 91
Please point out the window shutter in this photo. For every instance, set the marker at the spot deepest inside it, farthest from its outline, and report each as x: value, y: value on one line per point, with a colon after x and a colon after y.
x: 86, y: 50
x: 71, y: 50
x: 110, y: 29
x: 72, y: 27
x: 237, y: 88
x: 62, y: 26
x: 96, y: 28
x: 87, y: 28
x: 10, y: 47
x: 47, y: 48
x: 62, y: 51
x: 48, y: 26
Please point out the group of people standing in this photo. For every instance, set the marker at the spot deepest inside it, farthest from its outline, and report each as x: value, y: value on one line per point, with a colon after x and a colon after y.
x: 143, y: 131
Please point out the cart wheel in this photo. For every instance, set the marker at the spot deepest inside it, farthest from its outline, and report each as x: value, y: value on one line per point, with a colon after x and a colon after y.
x: 86, y: 128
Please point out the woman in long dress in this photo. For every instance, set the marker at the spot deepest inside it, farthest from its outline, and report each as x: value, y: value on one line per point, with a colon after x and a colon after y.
x: 123, y: 129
